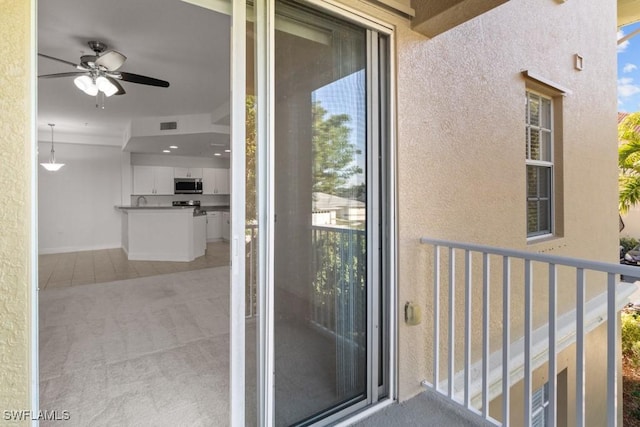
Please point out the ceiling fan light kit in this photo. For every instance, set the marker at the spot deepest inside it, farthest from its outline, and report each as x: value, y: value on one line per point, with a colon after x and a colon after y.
x: 98, y: 73
x: 105, y: 86
x: 86, y: 84
x: 52, y: 166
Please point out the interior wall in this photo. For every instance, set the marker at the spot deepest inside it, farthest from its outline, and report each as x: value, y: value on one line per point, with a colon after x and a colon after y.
x: 142, y: 159
x: 16, y: 156
x: 76, y: 204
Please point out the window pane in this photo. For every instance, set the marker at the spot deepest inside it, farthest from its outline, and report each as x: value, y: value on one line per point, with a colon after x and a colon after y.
x: 320, y: 197
x: 527, y: 149
x: 545, y: 114
x: 532, y: 217
x: 535, y: 144
x: 545, y: 146
x: 534, y: 110
x: 544, y: 180
x: 544, y: 215
x: 532, y: 182
x: 539, y: 193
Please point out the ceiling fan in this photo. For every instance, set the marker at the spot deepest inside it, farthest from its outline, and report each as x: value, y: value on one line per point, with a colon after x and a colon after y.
x: 99, y: 72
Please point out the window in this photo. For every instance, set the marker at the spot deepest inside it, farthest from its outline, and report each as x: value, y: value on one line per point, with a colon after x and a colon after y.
x: 539, y: 161
x: 540, y: 406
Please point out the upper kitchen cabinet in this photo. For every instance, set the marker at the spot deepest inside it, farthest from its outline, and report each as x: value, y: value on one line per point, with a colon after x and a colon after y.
x: 187, y: 172
x: 152, y: 180
x: 215, y: 181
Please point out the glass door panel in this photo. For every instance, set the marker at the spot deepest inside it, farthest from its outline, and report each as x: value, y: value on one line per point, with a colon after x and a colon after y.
x: 320, y: 239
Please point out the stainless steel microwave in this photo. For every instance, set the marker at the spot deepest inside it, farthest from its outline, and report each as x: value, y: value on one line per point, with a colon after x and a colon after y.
x: 187, y: 186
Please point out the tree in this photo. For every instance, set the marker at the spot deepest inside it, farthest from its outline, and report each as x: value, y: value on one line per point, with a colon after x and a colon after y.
x: 250, y: 165
x: 333, y: 154
x: 629, y: 162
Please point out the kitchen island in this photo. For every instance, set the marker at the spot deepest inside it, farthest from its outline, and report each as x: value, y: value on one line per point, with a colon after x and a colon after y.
x: 163, y: 233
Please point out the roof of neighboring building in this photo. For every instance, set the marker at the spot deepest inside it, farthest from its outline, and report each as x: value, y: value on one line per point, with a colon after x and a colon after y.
x: 329, y: 202
x: 622, y: 116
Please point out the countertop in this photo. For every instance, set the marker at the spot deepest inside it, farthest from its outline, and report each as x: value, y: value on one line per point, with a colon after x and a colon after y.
x: 218, y: 208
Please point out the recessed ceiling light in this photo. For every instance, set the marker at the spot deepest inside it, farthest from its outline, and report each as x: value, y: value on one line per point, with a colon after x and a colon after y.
x: 166, y: 151
x: 173, y: 146
x: 217, y: 154
x: 227, y: 151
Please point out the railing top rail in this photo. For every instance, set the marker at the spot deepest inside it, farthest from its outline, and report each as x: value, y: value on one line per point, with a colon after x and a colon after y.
x: 605, y: 267
x: 337, y: 228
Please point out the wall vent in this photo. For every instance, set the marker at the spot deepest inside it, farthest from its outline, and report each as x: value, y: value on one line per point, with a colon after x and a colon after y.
x: 168, y: 125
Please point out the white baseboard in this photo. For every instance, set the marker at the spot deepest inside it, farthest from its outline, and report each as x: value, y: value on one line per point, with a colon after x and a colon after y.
x: 67, y: 249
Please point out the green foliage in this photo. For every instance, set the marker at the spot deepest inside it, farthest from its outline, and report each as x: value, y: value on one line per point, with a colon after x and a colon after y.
x: 628, y: 243
x: 631, y: 336
x: 629, y: 162
x: 251, y: 202
x: 333, y: 154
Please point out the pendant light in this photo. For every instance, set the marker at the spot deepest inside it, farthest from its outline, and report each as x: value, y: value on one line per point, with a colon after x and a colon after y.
x: 52, y: 165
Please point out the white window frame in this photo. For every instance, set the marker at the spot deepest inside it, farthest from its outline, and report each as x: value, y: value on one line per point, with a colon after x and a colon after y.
x: 550, y: 164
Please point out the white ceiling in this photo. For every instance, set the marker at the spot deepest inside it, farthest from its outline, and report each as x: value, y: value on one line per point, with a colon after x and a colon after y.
x: 186, y: 45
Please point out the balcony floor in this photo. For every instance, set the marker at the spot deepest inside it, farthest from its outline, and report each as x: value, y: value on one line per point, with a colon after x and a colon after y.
x: 424, y: 410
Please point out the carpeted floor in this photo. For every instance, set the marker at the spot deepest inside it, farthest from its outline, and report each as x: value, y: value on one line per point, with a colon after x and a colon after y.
x: 141, y: 352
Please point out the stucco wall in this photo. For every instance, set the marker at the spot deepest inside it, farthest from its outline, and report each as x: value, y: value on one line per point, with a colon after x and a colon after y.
x: 461, y: 141
x: 15, y: 158
x: 461, y: 156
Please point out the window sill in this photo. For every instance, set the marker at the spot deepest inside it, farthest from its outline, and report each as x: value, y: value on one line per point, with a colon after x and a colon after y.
x: 542, y: 239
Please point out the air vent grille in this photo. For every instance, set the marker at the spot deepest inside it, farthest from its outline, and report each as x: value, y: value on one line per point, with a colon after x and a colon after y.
x: 168, y: 125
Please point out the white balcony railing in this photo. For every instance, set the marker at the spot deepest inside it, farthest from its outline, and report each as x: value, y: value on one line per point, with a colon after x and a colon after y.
x: 492, y: 356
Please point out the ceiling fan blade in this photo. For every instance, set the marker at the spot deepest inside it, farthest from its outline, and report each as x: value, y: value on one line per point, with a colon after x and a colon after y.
x: 113, y: 81
x: 144, y: 80
x: 58, y: 59
x: 111, y: 60
x: 55, y: 76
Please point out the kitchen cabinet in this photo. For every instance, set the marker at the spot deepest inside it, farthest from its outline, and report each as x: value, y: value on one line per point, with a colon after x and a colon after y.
x: 149, y: 180
x: 215, y: 181
x: 187, y: 172
x: 214, y: 225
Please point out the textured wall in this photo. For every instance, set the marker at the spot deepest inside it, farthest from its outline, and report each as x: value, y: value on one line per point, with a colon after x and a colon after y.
x: 15, y: 170
x: 461, y: 141
x: 460, y: 144
x: 75, y: 204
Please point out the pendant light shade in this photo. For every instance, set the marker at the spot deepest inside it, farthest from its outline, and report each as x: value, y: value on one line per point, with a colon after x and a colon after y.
x: 52, y: 166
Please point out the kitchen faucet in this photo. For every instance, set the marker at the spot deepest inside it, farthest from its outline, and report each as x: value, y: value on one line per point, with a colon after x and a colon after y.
x: 138, y: 200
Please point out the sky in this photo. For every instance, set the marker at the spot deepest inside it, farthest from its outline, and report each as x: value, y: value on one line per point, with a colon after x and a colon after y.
x: 629, y: 71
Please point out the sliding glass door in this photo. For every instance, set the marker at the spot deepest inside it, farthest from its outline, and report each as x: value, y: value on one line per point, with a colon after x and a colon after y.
x: 316, y: 179
x: 320, y: 271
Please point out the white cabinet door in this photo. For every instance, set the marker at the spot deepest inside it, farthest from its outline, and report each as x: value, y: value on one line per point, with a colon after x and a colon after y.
x: 181, y: 172
x: 208, y: 181
x: 226, y: 226
x: 222, y: 181
x: 143, y: 180
x: 199, y: 235
x: 195, y: 172
x: 164, y: 180
x: 152, y: 180
x: 187, y: 172
x: 214, y: 225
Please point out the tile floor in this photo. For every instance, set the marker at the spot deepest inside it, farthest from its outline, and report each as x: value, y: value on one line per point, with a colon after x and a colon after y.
x: 107, y: 265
